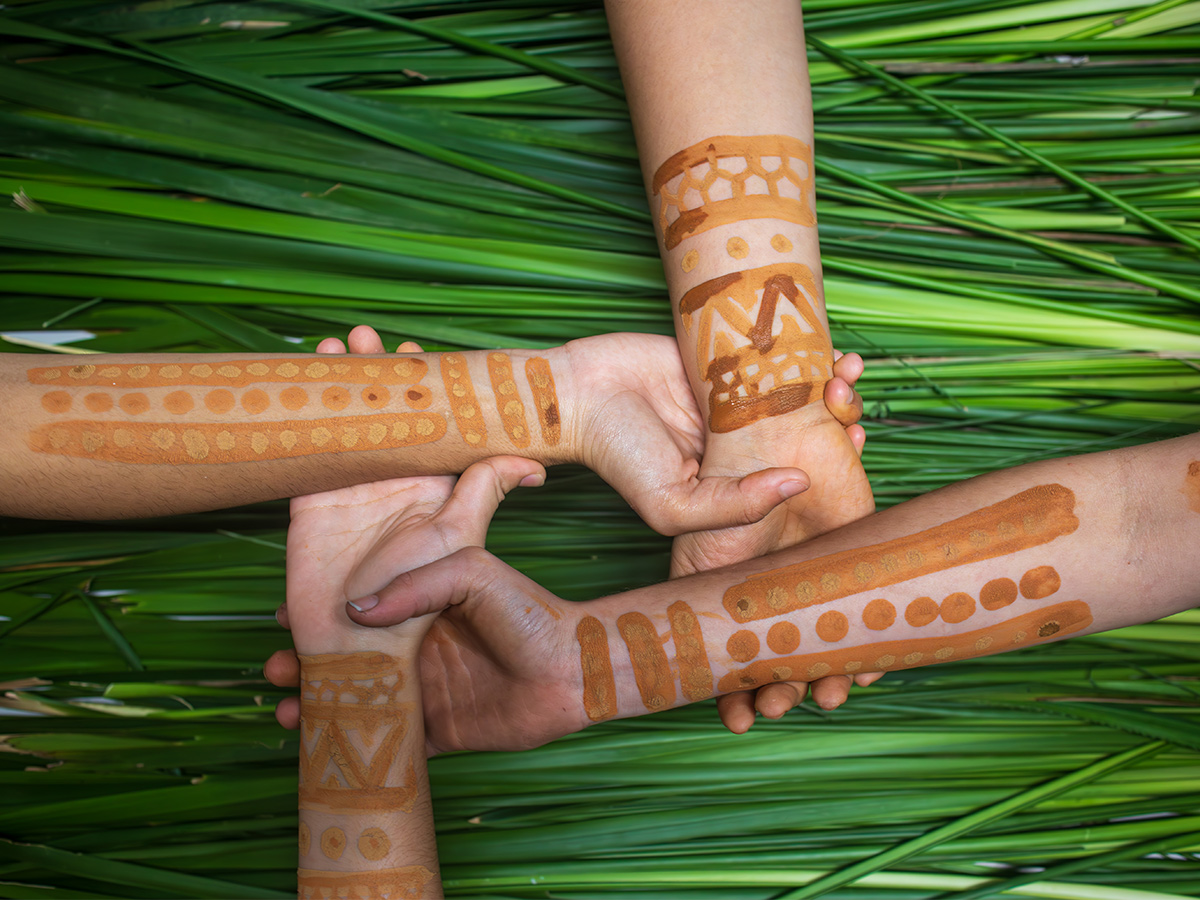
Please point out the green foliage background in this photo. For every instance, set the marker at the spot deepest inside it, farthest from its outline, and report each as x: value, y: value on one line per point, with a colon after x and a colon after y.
x: 1010, y: 220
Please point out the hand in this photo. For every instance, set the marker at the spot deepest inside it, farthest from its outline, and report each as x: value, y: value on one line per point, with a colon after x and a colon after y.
x: 345, y: 544
x: 640, y: 429
x: 495, y: 671
x: 830, y: 443
x: 638, y: 379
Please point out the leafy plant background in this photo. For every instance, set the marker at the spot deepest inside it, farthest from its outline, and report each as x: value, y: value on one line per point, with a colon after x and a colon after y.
x: 1010, y: 237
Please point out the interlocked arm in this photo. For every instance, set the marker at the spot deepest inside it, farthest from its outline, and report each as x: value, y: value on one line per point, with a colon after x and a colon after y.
x: 1006, y: 561
x: 722, y: 110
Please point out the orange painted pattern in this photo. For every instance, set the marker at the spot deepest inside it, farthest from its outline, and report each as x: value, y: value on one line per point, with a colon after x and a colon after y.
x: 405, y: 882
x: 1058, y: 620
x: 508, y: 401
x: 1191, y: 486
x: 352, y: 728
x: 756, y: 368
x: 695, y: 673
x: 729, y: 178
x: 651, y: 670
x: 374, y: 844
x: 599, y: 686
x: 1033, y: 517
x: 463, y: 403
x: 172, y: 443
x: 237, y: 373
x: 545, y: 398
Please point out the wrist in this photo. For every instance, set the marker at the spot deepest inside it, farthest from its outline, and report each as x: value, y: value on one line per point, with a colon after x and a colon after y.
x: 330, y: 631
x: 778, y: 441
x: 561, y: 423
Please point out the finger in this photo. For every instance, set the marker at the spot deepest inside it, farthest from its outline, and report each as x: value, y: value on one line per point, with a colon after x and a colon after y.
x: 858, y: 437
x: 737, y: 711
x: 331, y: 345
x: 287, y: 712
x: 281, y: 616
x: 364, y: 339
x: 773, y: 700
x: 867, y: 678
x: 409, y: 347
x: 282, y: 669
x: 849, y: 367
x: 831, y: 691
x: 447, y: 582
x: 842, y: 401
x: 478, y: 493
x: 722, y: 501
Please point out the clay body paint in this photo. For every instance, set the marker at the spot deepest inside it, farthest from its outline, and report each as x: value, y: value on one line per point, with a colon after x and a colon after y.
x: 691, y: 657
x: 759, y: 343
x: 1191, y: 485
x: 651, y: 670
x: 373, y: 844
x: 405, y: 882
x: 172, y: 443
x: 998, y: 593
x: 461, y: 395
x: 783, y: 638
x: 1040, y: 582
x: 352, y: 727
x: 237, y: 373
x: 508, y: 401
x: 545, y: 398
x: 742, y: 646
x: 1033, y: 517
x: 730, y: 178
x: 1057, y: 620
x: 879, y: 615
x: 333, y: 842
x: 599, y: 685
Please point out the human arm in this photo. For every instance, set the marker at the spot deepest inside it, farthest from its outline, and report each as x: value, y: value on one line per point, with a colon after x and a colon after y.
x: 1005, y: 561
x: 366, y: 823
x: 722, y: 110
x: 111, y: 436
x: 485, y: 636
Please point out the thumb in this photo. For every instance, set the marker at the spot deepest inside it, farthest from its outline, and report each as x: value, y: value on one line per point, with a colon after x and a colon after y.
x: 478, y: 493
x: 718, y: 501
x: 466, y: 573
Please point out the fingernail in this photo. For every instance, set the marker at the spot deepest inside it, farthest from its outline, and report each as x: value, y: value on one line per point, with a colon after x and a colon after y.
x: 792, y: 488
x: 365, y: 603
x: 279, y: 613
x: 533, y: 481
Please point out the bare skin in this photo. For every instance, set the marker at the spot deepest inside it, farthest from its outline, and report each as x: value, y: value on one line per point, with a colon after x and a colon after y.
x: 1036, y: 553
x: 708, y: 78
x: 625, y: 407
x: 342, y: 543
x: 486, y: 643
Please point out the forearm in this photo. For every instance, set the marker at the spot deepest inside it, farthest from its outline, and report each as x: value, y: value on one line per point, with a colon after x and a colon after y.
x: 122, y: 435
x: 722, y: 110
x: 1002, y: 562
x: 366, y: 820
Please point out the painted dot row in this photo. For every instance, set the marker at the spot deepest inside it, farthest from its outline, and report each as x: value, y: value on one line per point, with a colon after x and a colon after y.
x: 198, y: 447
x: 880, y: 614
x: 373, y: 844
x: 737, y: 248
x: 255, y: 401
x: 404, y: 368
